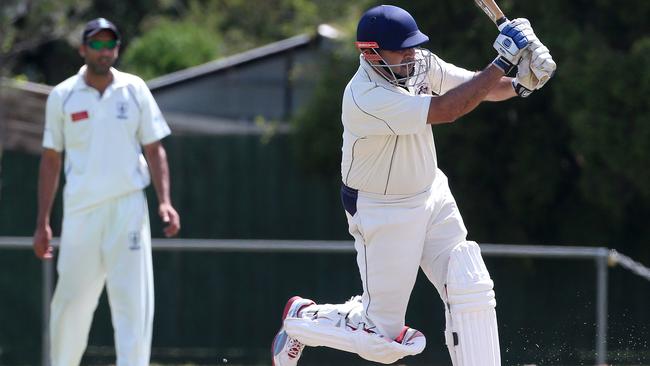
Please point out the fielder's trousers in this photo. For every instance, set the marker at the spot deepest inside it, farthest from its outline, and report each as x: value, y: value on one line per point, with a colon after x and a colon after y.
x: 107, y: 244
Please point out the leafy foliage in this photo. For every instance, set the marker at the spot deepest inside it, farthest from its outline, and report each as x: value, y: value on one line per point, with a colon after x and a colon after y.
x: 26, y: 25
x: 567, y: 165
x: 35, y: 35
x: 572, y: 156
x: 170, y: 46
x: 317, y: 127
x: 247, y: 24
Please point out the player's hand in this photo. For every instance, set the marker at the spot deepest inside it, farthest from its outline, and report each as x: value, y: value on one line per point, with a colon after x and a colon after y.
x: 525, y: 82
x: 542, y: 63
x: 41, y: 243
x: 513, y: 39
x: 170, y: 219
x: 535, y: 69
x: 526, y: 28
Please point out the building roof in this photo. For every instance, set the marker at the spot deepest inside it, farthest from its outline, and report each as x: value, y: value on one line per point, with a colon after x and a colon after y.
x: 324, y: 31
x: 22, y: 103
x: 22, y: 112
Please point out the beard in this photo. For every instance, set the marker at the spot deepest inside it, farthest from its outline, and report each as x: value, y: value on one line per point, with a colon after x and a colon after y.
x: 408, y: 71
x: 98, y: 68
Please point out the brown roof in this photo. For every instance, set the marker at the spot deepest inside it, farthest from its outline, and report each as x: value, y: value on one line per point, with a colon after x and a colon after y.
x: 22, y: 112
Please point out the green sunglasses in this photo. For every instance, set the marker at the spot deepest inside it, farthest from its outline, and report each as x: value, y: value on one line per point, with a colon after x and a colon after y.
x: 99, y: 45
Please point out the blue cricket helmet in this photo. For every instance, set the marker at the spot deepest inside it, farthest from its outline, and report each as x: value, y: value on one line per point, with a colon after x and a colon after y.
x: 393, y: 28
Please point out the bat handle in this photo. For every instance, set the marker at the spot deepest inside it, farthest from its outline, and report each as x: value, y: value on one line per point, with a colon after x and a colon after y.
x: 501, y: 22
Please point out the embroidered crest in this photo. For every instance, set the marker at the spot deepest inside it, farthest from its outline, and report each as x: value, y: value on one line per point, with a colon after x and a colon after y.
x: 134, y: 240
x: 122, y: 110
x: 423, y: 89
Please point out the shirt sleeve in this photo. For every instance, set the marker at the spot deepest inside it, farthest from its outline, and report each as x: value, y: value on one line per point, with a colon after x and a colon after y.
x: 53, y: 131
x: 153, y: 126
x: 376, y: 110
x: 444, y: 76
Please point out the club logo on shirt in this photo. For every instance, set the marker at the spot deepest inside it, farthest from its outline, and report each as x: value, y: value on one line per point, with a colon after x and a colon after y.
x: 423, y: 89
x: 79, y: 116
x: 122, y: 110
x: 134, y: 240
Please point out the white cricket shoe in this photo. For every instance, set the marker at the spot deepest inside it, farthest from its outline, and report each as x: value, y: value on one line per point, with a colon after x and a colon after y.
x: 409, y: 336
x: 286, y: 350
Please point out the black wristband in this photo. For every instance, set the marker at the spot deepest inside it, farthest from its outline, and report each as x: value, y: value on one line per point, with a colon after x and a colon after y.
x: 521, y: 90
x: 505, y: 65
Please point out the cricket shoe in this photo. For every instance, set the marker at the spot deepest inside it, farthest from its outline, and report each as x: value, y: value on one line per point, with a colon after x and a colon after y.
x: 409, y: 336
x: 286, y: 350
x: 411, y: 341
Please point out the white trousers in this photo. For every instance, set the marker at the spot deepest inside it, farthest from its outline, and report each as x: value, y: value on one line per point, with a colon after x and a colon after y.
x: 394, y: 236
x: 109, y: 243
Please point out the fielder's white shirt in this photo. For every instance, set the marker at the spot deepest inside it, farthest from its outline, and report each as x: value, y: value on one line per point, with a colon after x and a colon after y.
x: 102, y: 136
x: 388, y: 146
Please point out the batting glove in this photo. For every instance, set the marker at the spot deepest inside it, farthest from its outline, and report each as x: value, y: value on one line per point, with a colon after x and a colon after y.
x: 542, y: 63
x: 525, y: 81
x: 510, y: 44
x: 535, y: 69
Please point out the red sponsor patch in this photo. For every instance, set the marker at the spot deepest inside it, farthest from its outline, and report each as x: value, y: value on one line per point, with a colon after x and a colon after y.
x: 372, y: 57
x: 367, y: 44
x: 78, y: 116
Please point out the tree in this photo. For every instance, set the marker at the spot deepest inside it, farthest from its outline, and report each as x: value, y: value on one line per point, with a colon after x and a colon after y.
x: 170, y: 46
x: 198, y: 31
x: 317, y: 127
x: 26, y: 25
x: 573, y: 155
x: 269, y: 21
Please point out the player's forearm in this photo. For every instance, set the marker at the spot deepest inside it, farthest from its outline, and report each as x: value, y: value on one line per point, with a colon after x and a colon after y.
x: 502, y: 91
x: 159, y: 168
x: 465, y: 97
x: 48, y: 183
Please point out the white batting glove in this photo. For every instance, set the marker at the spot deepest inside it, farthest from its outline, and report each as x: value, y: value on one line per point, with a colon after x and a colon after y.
x: 513, y: 39
x: 542, y: 63
x: 525, y: 81
x: 524, y: 24
x: 535, y: 69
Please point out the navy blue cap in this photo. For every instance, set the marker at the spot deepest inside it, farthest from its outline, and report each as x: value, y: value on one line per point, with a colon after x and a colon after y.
x: 96, y: 25
x: 393, y: 28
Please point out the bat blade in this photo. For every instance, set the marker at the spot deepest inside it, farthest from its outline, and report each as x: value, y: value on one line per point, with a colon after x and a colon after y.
x: 492, y: 10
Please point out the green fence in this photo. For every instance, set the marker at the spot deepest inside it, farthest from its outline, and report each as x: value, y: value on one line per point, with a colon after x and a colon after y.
x: 228, y: 305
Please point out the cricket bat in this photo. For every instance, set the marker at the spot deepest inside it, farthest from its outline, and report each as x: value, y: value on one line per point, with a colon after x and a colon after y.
x: 493, y: 11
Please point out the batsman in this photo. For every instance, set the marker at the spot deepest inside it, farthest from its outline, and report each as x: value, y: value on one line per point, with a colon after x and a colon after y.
x: 398, y: 204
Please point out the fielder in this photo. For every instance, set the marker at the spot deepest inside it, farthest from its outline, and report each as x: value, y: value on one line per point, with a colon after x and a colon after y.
x: 103, y: 119
x: 400, y: 210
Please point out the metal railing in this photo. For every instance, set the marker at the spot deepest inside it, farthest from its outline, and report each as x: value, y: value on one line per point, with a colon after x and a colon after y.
x: 602, y: 257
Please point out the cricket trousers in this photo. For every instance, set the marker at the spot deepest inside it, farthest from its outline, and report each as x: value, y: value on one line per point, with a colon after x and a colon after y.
x: 107, y: 244
x: 395, y: 235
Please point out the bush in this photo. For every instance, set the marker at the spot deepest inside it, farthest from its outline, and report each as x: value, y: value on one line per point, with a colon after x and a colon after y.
x: 170, y: 46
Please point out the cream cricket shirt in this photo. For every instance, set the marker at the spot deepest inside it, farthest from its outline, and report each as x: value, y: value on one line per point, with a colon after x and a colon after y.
x: 102, y: 136
x: 387, y: 144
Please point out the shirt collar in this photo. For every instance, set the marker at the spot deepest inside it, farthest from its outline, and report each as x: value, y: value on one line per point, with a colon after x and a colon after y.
x: 377, y: 78
x: 372, y: 73
x: 81, y: 81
